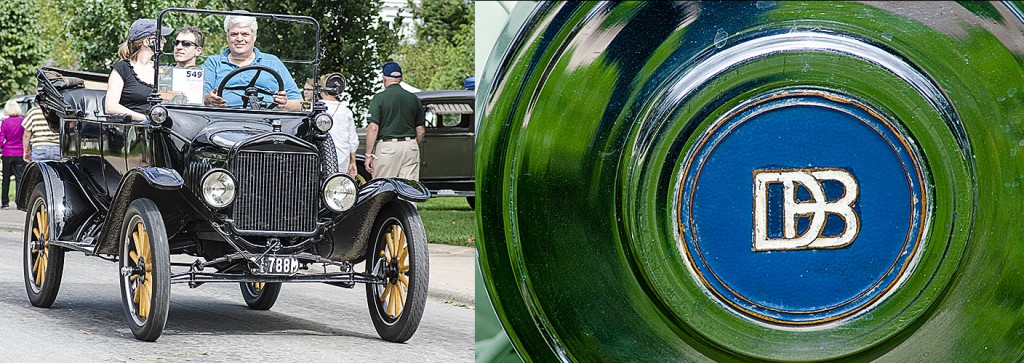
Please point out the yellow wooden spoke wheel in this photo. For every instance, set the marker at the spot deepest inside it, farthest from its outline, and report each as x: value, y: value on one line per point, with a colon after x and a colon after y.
x: 44, y: 263
x: 142, y: 278
x: 396, y: 256
x: 399, y: 260
x: 41, y: 233
x: 145, y: 270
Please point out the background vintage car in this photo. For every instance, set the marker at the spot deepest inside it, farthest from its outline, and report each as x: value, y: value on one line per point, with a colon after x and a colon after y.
x: 26, y: 102
x: 446, y: 156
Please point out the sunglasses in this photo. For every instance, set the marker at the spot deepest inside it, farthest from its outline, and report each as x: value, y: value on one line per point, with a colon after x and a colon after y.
x: 185, y: 43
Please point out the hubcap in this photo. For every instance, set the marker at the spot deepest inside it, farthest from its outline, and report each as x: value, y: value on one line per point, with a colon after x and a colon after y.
x: 818, y: 214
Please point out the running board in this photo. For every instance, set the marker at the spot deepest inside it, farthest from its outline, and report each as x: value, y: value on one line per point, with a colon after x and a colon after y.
x: 85, y: 246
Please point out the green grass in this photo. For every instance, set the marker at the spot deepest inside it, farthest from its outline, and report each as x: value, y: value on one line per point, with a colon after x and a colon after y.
x: 449, y: 221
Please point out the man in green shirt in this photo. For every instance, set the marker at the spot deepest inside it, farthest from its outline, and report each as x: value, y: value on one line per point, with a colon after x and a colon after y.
x: 395, y: 130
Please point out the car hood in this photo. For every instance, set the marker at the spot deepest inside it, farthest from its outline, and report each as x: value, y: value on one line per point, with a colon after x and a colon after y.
x: 230, y: 138
x: 227, y: 127
x: 234, y: 135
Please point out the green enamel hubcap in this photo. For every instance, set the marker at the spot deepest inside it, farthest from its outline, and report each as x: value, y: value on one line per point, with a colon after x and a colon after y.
x: 738, y: 181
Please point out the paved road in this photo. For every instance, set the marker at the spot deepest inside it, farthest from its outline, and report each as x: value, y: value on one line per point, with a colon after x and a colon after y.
x: 210, y: 323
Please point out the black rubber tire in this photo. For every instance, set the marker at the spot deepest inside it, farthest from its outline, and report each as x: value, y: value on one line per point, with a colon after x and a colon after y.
x: 263, y: 299
x: 401, y: 327
x: 149, y: 327
x: 329, y: 156
x: 41, y: 295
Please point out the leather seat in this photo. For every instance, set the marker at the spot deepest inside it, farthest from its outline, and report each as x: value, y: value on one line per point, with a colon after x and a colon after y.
x: 85, y: 103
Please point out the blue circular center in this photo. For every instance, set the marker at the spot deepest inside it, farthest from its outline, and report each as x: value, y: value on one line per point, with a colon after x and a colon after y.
x: 801, y: 208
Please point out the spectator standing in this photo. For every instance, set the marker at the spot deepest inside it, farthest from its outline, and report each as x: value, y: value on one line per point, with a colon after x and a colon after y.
x: 343, y: 133
x: 396, y: 129
x: 11, y: 133
x: 39, y: 142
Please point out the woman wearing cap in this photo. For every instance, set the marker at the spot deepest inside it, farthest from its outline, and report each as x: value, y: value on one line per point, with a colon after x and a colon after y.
x: 130, y: 82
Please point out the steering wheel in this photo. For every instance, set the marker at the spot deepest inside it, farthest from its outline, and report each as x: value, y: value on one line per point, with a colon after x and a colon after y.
x: 250, y: 97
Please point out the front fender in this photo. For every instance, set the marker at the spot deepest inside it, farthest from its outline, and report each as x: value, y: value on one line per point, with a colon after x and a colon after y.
x: 348, y: 238
x: 159, y: 178
x: 409, y: 190
x: 146, y: 181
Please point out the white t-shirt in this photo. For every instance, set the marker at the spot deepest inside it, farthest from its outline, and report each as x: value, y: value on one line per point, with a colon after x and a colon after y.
x: 343, y: 132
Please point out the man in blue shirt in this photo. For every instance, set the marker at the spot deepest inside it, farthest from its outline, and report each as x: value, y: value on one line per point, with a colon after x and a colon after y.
x: 241, y: 39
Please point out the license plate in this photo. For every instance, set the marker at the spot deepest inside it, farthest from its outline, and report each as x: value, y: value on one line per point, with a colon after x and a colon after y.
x: 280, y: 265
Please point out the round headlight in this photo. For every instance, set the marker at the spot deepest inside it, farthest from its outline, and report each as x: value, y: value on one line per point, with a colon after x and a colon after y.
x: 340, y: 192
x: 218, y: 189
x: 323, y: 122
x: 158, y: 114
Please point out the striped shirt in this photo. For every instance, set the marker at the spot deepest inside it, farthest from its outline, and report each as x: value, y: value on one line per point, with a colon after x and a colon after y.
x: 36, y: 124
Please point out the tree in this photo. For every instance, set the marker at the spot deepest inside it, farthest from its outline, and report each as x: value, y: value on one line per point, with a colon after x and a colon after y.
x: 441, y: 56
x: 94, y: 29
x: 441, y: 20
x: 21, y: 53
x: 354, y: 40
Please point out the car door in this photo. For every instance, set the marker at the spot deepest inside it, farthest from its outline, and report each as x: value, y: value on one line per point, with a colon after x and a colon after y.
x: 447, y: 153
x: 91, y: 137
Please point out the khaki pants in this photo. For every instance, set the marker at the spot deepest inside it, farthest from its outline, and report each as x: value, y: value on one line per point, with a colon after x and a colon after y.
x: 397, y: 159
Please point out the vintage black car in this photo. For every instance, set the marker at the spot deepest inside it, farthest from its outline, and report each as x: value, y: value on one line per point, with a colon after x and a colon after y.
x: 252, y: 193
x: 446, y: 156
x: 26, y: 102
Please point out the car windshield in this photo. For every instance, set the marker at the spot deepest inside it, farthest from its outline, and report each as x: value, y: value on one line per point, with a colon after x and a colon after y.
x: 245, y: 58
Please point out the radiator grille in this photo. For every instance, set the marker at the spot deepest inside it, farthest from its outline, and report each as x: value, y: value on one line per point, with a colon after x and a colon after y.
x: 195, y: 173
x: 277, y: 192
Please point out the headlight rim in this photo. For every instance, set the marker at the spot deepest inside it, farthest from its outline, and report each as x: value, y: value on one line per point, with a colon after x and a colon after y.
x: 327, y: 181
x: 327, y: 119
x: 157, y: 115
x: 202, y: 188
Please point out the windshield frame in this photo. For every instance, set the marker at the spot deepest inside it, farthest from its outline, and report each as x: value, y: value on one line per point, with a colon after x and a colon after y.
x: 154, y: 98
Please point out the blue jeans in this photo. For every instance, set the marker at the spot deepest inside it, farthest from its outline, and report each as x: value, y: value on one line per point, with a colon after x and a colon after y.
x: 46, y: 152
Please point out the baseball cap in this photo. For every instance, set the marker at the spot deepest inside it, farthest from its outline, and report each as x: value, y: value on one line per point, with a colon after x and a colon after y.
x: 145, y: 27
x: 392, y: 69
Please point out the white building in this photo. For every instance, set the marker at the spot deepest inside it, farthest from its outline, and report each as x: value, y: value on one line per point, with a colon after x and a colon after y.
x: 390, y: 9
